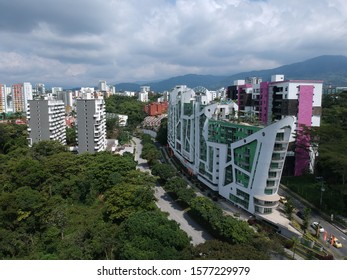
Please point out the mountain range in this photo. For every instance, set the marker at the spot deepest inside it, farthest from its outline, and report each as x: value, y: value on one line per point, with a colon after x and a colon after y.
x: 331, y: 69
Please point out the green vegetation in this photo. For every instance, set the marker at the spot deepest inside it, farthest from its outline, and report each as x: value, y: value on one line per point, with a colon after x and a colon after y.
x: 289, y: 208
x: 12, y: 136
x: 333, y: 140
x: 71, y: 136
x: 150, y: 235
x: 125, y: 105
x: 149, y: 150
x: 238, y: 239
x: 162, y: 132
x: 59, y: 205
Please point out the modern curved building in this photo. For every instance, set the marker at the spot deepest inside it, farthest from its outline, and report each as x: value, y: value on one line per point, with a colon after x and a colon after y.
x: 235, y: 157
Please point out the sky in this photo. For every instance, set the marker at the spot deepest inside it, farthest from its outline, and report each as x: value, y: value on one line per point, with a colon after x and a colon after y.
x: 79, y: 42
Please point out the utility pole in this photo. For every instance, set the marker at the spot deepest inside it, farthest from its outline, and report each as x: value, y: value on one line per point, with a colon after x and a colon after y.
x: 322, y: 189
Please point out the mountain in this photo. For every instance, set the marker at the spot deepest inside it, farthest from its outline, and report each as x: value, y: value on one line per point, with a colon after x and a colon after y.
x: 127, y: 87
x: 331, y: 69
x: 191, y: 80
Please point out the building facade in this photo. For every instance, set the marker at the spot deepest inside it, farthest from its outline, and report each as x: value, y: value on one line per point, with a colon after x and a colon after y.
x: 274, y: 100
x: 156, y: 108
x: 21, y: 93
x: 3, y: 99
x: 46, y: 121
x: 91, y: 125
x: 243, y: 162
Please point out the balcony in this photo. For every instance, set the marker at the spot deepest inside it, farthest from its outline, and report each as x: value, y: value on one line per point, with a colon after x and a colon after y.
x: 277, y: 158
x: 276, y: 167
x: 268, y: 201
x: 273, y: 175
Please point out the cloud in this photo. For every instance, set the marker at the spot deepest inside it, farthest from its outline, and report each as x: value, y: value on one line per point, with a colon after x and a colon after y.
x: 73, y: 43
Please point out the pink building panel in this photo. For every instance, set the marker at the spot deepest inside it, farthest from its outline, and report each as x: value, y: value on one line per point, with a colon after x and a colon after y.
x: 264, y: 99
x: 302, y: 159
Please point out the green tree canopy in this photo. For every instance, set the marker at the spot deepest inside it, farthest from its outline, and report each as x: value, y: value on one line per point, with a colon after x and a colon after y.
x: 151, y: 236
x: 125, y: 199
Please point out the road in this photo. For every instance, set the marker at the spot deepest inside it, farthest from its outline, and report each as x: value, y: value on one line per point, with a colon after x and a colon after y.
x: 166, y: 204
x: 328, y: 227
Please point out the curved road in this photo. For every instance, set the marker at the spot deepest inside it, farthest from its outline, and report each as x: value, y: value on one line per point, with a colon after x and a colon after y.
x: 166, y: 204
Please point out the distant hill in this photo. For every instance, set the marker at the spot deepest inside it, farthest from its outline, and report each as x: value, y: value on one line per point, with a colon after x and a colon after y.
x: 127, y: 87
x: 331, y: 69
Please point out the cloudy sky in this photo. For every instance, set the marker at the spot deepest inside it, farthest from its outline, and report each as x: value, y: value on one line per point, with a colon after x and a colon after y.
x: 79, y: 42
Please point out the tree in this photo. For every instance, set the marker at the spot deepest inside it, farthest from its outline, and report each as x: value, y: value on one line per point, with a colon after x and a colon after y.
x: 164, y: 171
x: 289, y: 208
x: 71, y: 137
x: 12, y: 136
x: 174, y: 184
x: 150, y: 153
x: 125, y: 199
x: 111, y: 126
x: 219, y: 250
x: 149, y: 235
x: 127, y: 106
x: 333, y: 145
x: 47, y: 148
x: 162, y: 132
x: 306, y: 218
x: 123, y: 136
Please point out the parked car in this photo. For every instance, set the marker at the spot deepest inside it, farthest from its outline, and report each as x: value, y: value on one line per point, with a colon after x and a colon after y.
x: 315, y: 225
x: 283, y: 199
x: 300, y: 215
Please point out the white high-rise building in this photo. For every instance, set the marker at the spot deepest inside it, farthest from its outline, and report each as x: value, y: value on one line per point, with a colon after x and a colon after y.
x: 143, y: 96
x: 46, y: 121
x: 103, y: 86
x: 91, y: 125
x: 241, y: 161
x: 55, y: 90
x: 3, y: 97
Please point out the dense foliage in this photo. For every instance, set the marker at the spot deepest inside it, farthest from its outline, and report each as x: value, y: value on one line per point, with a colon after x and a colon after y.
x: 333, y: 138
x: 58, y: 205
x: 125, y: 105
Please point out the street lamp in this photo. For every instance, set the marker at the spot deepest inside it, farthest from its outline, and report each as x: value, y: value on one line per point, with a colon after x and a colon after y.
x: 322, y: 189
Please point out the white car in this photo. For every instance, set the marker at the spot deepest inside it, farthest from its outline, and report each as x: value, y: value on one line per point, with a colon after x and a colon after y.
x: 315, y: 225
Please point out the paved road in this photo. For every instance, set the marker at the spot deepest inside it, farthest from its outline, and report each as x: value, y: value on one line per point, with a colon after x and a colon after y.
x: 166, y: 204
x: 193, y: 229
x: 142, y: 164
x: 330, y: 228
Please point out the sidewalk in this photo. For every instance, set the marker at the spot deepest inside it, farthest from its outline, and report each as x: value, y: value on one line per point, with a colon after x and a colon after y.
x: 290, y: 253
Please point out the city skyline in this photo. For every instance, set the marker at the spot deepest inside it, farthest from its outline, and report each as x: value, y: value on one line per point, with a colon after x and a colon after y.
x: 73, y: 43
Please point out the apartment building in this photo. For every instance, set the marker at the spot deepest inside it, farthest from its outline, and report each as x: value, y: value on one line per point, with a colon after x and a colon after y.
x: 3, y: 97
x: 241, y: 161
x: 21, y: 93
x: 91, y: 125
x: 156, y: 108
x: 46, y: 121
x: 274, y: 100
